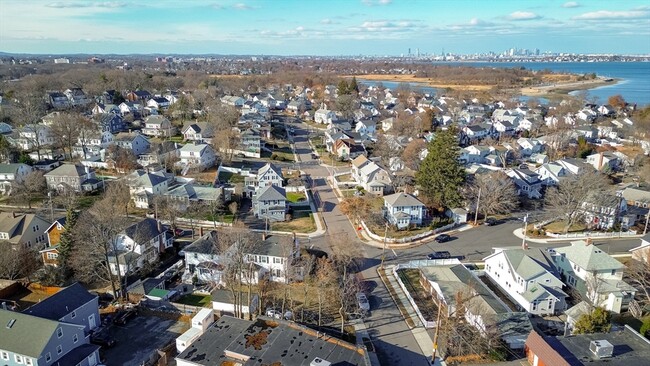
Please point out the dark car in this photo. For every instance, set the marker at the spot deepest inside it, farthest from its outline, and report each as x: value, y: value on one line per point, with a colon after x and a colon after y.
x: 442, y: 238
x: 491, y: 221
x: 103, y: 340
x: 122, y: 318
x: 439, y: 255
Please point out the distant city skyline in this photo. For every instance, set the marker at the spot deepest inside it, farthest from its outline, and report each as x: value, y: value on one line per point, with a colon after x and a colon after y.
x: 324, y: 28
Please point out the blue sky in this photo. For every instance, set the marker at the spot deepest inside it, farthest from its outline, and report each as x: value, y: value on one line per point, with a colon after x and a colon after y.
x: 323, y: 27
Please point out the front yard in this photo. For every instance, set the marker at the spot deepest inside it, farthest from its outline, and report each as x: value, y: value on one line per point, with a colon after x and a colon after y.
x: 295, y: 197
x: 228, y: 177
x: 301, y: 223
x: 559, y: 227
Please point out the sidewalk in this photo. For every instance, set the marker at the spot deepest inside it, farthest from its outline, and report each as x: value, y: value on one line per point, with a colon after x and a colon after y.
x: 362, y: 332
x: 520, y: 234
x: 420, y: 333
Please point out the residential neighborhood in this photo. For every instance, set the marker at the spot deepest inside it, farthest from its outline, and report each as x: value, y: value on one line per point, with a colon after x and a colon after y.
x: 329, y: 220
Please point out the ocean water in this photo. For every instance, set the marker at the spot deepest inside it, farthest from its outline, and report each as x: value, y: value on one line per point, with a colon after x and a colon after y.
x: 634, y: 84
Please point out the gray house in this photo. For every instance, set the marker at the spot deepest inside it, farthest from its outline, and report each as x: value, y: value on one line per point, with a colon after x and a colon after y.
x: 73, y: 305
x: 270, y: 203
x: 33, y: 341
x: 203, y: 260
x: 76, y: 177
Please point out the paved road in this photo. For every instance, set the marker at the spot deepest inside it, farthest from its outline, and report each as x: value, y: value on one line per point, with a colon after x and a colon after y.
x: 393, y: 340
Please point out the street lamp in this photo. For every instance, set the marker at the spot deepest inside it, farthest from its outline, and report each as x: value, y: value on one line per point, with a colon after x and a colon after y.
x: 523, y: 240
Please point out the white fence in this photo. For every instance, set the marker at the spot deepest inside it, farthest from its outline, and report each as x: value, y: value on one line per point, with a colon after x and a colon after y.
x: 425, y: 322
x: 409, y: 238
x: 593, y: 234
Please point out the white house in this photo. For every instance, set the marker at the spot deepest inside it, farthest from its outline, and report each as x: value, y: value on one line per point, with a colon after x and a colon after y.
x: 642, y: 252
x: 234, y: 101
x: 528, y: 146
x: 373, y: 178
x: 200, y: 323
x: 143, y: 186
x: 402, y: 210
x: 606, y: 161
x: 527, y: 182
x: 198, y: 131
x: 276, y: 255
x: 138, y: 245
x: 159, y: 103
x: 203, y: 260
x: 528, y: 277
x: 367, y: 127
x: 158, y: 126
x: 201, y: 156
x: 595, y: 274
x: 32, y: 136
x: 10, y: 173
x: 474, y: 154
x: 324, y: 116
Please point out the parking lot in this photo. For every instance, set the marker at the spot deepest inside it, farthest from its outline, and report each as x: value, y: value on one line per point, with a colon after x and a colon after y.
x: 139, y: 338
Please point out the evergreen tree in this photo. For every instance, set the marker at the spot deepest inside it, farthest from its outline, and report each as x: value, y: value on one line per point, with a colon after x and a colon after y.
x: 598, y: 321
x: 441, y: 175
x: 343, y: 87
x: 353, y: 87
x: 66, y: 243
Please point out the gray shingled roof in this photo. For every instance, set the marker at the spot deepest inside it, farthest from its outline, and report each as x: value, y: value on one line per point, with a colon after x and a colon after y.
x: 67, y: 170
x: 402, y: 199
x: 271, y: 193
x: 207, y: 244
x: 28, y: 335
x: 62, y: 303
x: 589, y: 257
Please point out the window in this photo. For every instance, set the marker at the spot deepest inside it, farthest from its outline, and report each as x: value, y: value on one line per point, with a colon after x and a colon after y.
x: 4, y: 355
x: 75, y: 338
x: 48, y: 357
x: 59, y: 333
x: 73, y: 314
x: 59, y: 349
x: 613, y: 272
x: 18, y: 359
x: 28, y: 361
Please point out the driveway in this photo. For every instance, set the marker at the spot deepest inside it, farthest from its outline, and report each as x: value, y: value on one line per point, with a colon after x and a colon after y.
x: 140, y: 338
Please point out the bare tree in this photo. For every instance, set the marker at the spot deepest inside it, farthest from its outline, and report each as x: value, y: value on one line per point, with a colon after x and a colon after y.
x: 86, y: 130
x: 638, y: 272
x: 65, y: 130
x: 498, y: 194
x: 29, y: 187
x: 17, y: 261
x: 123, y: 160
x: 326, y: 278
x: 344, y: 260
x: 356, y: 207
x: 168, y: 209
x: 411, y: 154
x: 96, y: 246
x: 385, y: 149
x: 567, y: 201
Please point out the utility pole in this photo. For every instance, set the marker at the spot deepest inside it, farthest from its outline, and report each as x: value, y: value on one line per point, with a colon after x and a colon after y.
x: 478, y: 200
x: 523, y: 241
x: 49, y: 195
x: 647, y: 218
x: 435, y: 335
x: 383, y: 252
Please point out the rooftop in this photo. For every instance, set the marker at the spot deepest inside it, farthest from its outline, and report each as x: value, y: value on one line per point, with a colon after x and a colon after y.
x: 268, y: 341
x: 61, y: 303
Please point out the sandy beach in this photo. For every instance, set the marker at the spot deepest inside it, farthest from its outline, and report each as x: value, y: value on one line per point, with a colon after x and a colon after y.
x: 564, y: 84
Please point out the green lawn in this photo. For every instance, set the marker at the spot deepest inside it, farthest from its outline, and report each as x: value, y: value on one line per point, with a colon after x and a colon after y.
x: 298, y: 225
x: 344, y: 178
x: 196, y: 300
x: 87, y: 201
x: 230, y: 177
x: 294, y: 197
x: 227, y: 218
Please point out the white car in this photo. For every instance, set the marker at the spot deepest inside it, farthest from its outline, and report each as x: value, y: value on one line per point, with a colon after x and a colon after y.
x: 362, y: 300
x: 277, y: 314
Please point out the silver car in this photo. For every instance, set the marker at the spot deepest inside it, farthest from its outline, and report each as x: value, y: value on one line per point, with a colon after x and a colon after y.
x: 363, y: 302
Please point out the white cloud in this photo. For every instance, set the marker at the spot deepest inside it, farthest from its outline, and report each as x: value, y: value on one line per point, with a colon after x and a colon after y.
x: 376, y: 2
x: 613, y: 14
x: 385, y: 2
x: 326, y: 21
x: 68, y: 4
x: 523, y: 15
x: 570, y: 4
x: 242, y: 6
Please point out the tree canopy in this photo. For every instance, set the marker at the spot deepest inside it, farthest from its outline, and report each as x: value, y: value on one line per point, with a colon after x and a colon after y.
x: 441, y: 175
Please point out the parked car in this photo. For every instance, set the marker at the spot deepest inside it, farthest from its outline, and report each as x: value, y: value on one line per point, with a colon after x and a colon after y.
x: 277, y: 314
x: 121, y: 319
x: 102, y: 339
x: 491, y: 221
x: 443, y: 254
x: 363, y: 302
x: 442, y: 238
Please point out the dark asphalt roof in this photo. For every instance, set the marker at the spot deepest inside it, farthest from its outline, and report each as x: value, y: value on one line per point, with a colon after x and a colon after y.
x: 62, y: 303
x: 267, y: 341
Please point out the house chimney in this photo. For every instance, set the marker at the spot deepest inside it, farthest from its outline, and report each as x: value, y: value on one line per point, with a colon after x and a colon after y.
x: 13, y: 214
x: 159, y: 226
x: 588, y: 242
x: 263, y: 236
